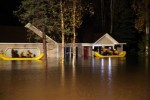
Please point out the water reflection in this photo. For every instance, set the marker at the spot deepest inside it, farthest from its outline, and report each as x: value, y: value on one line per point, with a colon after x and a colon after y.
x: 89, y: 79
x: 109, y: 70
x: 62, y: 74
x: 147, y: 63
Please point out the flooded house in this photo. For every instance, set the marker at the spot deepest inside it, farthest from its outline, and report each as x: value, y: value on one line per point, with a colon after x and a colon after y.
x: 54, y: 48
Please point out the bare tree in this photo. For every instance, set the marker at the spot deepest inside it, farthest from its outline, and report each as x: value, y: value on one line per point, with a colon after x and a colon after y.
x: 74, y: 31
x: 62, y: 30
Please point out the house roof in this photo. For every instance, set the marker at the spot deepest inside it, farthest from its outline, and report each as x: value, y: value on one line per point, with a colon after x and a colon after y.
x: 106, y: 39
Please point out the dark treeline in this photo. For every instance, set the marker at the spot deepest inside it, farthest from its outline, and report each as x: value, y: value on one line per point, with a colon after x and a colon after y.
x: 117, y: 17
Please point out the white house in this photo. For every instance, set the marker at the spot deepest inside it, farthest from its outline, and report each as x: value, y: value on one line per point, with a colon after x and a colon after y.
x: 54, y: 48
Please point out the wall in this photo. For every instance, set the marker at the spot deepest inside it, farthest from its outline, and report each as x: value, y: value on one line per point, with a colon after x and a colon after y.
x: 52, y: 49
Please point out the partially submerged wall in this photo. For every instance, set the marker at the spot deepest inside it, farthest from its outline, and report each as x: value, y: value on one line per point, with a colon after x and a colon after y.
x: 35, y: 48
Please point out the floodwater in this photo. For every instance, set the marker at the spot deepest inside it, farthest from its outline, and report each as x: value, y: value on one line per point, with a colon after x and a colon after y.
x: 89, y: 79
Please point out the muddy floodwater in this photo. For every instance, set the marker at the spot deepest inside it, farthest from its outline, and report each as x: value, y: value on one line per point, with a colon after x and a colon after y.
x: 89, y: 79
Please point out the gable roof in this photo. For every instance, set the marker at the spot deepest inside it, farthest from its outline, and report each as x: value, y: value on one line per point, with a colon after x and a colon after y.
x: 106, y: 39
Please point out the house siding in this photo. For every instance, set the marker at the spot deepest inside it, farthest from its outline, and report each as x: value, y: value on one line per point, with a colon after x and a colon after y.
x: 54, y: 48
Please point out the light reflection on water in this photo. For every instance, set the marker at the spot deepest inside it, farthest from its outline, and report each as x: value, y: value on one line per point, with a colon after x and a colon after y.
x: 89, y: 79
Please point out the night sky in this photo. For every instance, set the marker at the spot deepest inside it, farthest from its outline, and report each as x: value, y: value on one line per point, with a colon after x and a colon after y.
x: 6, y: 9
x: 12, y: 31
x: 10, y: 28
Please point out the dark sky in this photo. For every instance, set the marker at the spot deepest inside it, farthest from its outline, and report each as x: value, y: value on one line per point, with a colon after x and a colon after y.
x: 6, y: 9
x: 10, y: 28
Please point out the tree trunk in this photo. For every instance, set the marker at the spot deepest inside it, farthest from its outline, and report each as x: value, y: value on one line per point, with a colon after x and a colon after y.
x: 42, y: 35
x: 74, y: 33
x: 62, y: 30
x: 111, y: 16
x: 44, y: 46
x: 147, y: 29
x: 102, y: 16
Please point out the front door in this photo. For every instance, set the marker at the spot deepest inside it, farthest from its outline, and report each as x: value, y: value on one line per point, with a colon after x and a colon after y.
x: 86, y: 51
